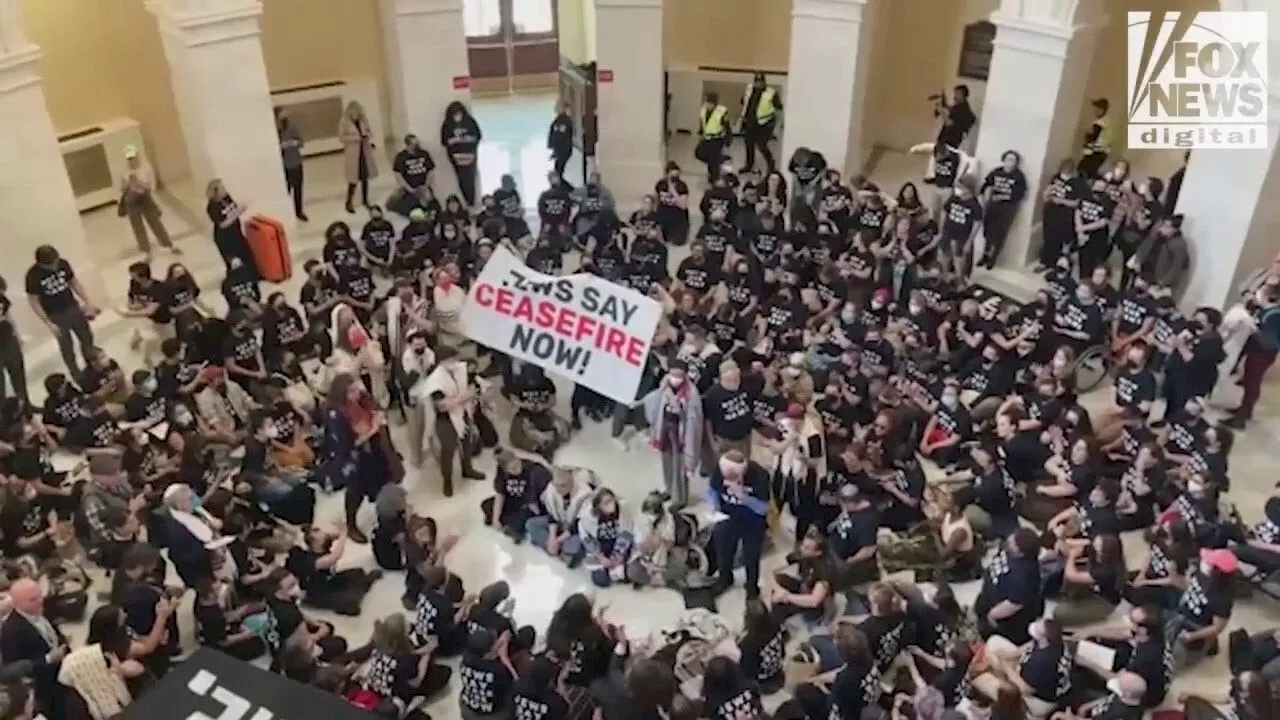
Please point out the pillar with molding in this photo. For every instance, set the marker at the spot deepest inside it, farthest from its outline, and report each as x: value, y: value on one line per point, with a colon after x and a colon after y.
x: 426, y: 46
x: 631, y: 148
x: 37, y: 205
x: 1231, y: 221
x: 214, y: 50
x: 1035, y: 90
x: 829, y: 41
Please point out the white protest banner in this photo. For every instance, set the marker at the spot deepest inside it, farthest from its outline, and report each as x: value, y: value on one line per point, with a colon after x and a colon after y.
x: 584, y: 327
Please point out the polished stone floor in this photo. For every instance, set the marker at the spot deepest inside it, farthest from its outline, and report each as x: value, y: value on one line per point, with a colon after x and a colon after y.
x: 515, y: 131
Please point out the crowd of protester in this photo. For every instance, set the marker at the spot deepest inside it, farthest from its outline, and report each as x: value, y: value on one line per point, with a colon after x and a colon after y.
x: 821, y: 353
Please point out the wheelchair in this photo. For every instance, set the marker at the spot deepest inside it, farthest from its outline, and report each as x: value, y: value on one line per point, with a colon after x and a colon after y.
x: 1095, y: 363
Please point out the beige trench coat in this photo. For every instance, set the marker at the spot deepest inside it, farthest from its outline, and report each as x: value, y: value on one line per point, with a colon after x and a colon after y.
x: 351, y: 143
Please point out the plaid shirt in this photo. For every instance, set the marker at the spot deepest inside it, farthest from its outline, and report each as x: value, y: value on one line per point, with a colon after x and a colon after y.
x: 99, y: 499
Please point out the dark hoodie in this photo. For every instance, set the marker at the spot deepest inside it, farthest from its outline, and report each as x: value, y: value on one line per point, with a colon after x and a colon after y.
x: 459, y: 137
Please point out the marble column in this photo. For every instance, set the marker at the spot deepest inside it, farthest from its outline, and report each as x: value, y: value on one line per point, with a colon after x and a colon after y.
x: 828, y: 41
x: 1034, y: 93
x: 1230, y: 218
x: 37, y: 204
x: 631, y: 149
x: 426, y: 45
x: 214, y: 50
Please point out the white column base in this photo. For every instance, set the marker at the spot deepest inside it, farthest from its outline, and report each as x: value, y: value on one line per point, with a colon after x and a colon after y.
x: 37, y: 204
x: 631, y: 151
x: 427, y: 49
x: 827, y: 42
x: 215, y: 58
x: 1033, y: 95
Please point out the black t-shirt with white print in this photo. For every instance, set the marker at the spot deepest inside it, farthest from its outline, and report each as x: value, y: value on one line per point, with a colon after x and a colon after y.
x: 486, y: 684
x: 413, y: 166
x: 1005, y: 186
x: 960, y: 217
x: 52, y: 286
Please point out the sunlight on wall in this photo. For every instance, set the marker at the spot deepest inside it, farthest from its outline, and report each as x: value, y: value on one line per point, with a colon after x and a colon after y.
x: 751, y: 34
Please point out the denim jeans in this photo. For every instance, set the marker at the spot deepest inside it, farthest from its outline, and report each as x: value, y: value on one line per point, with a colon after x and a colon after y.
x: 538, y: 529
x: 619, y: 548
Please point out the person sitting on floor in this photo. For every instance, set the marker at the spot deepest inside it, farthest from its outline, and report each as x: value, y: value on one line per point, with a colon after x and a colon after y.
x: 487, y: 677
x: 605, y: 529
x: 517, y: 485
x: 326, y: 587
x: 536, y: 428
x: 397, y: 671
x: 438, y: 620
x: 286, y: 624
x: 220, y: 620
x: 563, y: 501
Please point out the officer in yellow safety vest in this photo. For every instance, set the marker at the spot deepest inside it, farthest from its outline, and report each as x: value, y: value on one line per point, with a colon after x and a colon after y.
x: 760, y: 106
x: 713, y: 134
x: 1097, y: 141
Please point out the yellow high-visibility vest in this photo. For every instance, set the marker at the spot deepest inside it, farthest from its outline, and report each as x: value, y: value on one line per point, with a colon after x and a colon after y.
x: 1102, y: 143
x: 765, y: 109
x: 712, y: 122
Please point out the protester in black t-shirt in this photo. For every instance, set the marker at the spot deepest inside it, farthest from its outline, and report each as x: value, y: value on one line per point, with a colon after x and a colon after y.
x: 460, y: 135
x: 487, y: 676
x: 536, y: 695
x: 961, y: 217
x: 852, y: 688
x: 517, y: 487
x: 1003, y: 191
x: 1011, y: 595
x: 727, y: 695
x: 60, y: 301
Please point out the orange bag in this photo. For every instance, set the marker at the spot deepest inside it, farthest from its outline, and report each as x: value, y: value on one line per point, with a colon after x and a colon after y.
x: 270, y: 248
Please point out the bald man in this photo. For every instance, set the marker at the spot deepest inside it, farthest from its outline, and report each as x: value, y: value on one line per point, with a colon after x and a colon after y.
x: 1123, y: 701
x: 27, y: 635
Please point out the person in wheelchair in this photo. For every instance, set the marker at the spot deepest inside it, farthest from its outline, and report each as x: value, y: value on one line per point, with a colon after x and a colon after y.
x: 1078, y: 321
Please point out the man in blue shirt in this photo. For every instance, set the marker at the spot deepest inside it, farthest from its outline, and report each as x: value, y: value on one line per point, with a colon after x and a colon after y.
x: 740, y: 491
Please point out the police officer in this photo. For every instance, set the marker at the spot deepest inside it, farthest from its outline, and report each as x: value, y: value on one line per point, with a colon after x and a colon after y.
x: 713, y: 133
x: 1097, y: 140
x: 760, y: 106
x: 740, y: 490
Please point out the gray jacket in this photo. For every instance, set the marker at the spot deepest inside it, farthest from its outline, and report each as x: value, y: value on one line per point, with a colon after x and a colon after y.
x: 1166, y: 260
x: 655, y: 405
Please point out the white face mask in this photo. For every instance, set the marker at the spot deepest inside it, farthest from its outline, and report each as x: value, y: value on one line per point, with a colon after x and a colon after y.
x: 273, y: 432
x: 915, y: 309
x: 1113, y: 685
x: 1195, y: 488
x: 149, y: 385
x: 1037, y: 631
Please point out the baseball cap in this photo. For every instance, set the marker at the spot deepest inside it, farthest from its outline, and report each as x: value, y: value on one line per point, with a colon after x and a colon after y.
x: 1222, y: 560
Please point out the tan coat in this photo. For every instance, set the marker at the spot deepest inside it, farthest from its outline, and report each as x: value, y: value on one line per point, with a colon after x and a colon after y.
x: 352, y: 141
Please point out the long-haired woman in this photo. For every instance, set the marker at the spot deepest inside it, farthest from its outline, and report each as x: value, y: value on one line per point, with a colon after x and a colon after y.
x: 356, y: 134
x: 460, y: 135
x: 358, y: 452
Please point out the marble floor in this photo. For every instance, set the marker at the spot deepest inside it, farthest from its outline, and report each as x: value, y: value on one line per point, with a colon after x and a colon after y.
x: 515, y: 133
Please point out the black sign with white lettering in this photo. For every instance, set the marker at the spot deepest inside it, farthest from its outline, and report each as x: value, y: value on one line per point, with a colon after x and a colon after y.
x: 213, y: 685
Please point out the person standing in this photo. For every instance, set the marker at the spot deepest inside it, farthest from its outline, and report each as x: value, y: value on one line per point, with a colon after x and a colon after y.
x: 560, y: 139
x: 291, y: 155
x: 1097, y: 140
x: 713, y: 133
x: 957, y: 117
x: 1002, y: 193
x: 11, y: 361
x: 138, y: 203
x: 357, y: 151
x: 674, y: 414
x: 27, y: 635
x: 460, y: 135
x: 1258, y: 356
x: 228, y: 233
x: 760, y: 108
x: 1164, y: 258
x: 740, y: 490
x: 58, y: 298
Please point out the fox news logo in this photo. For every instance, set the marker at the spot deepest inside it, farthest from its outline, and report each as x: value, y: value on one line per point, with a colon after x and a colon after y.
x: 1197, y: 80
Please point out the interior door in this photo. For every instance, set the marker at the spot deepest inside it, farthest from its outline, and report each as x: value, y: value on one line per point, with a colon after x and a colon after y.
x: 512, y: 44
